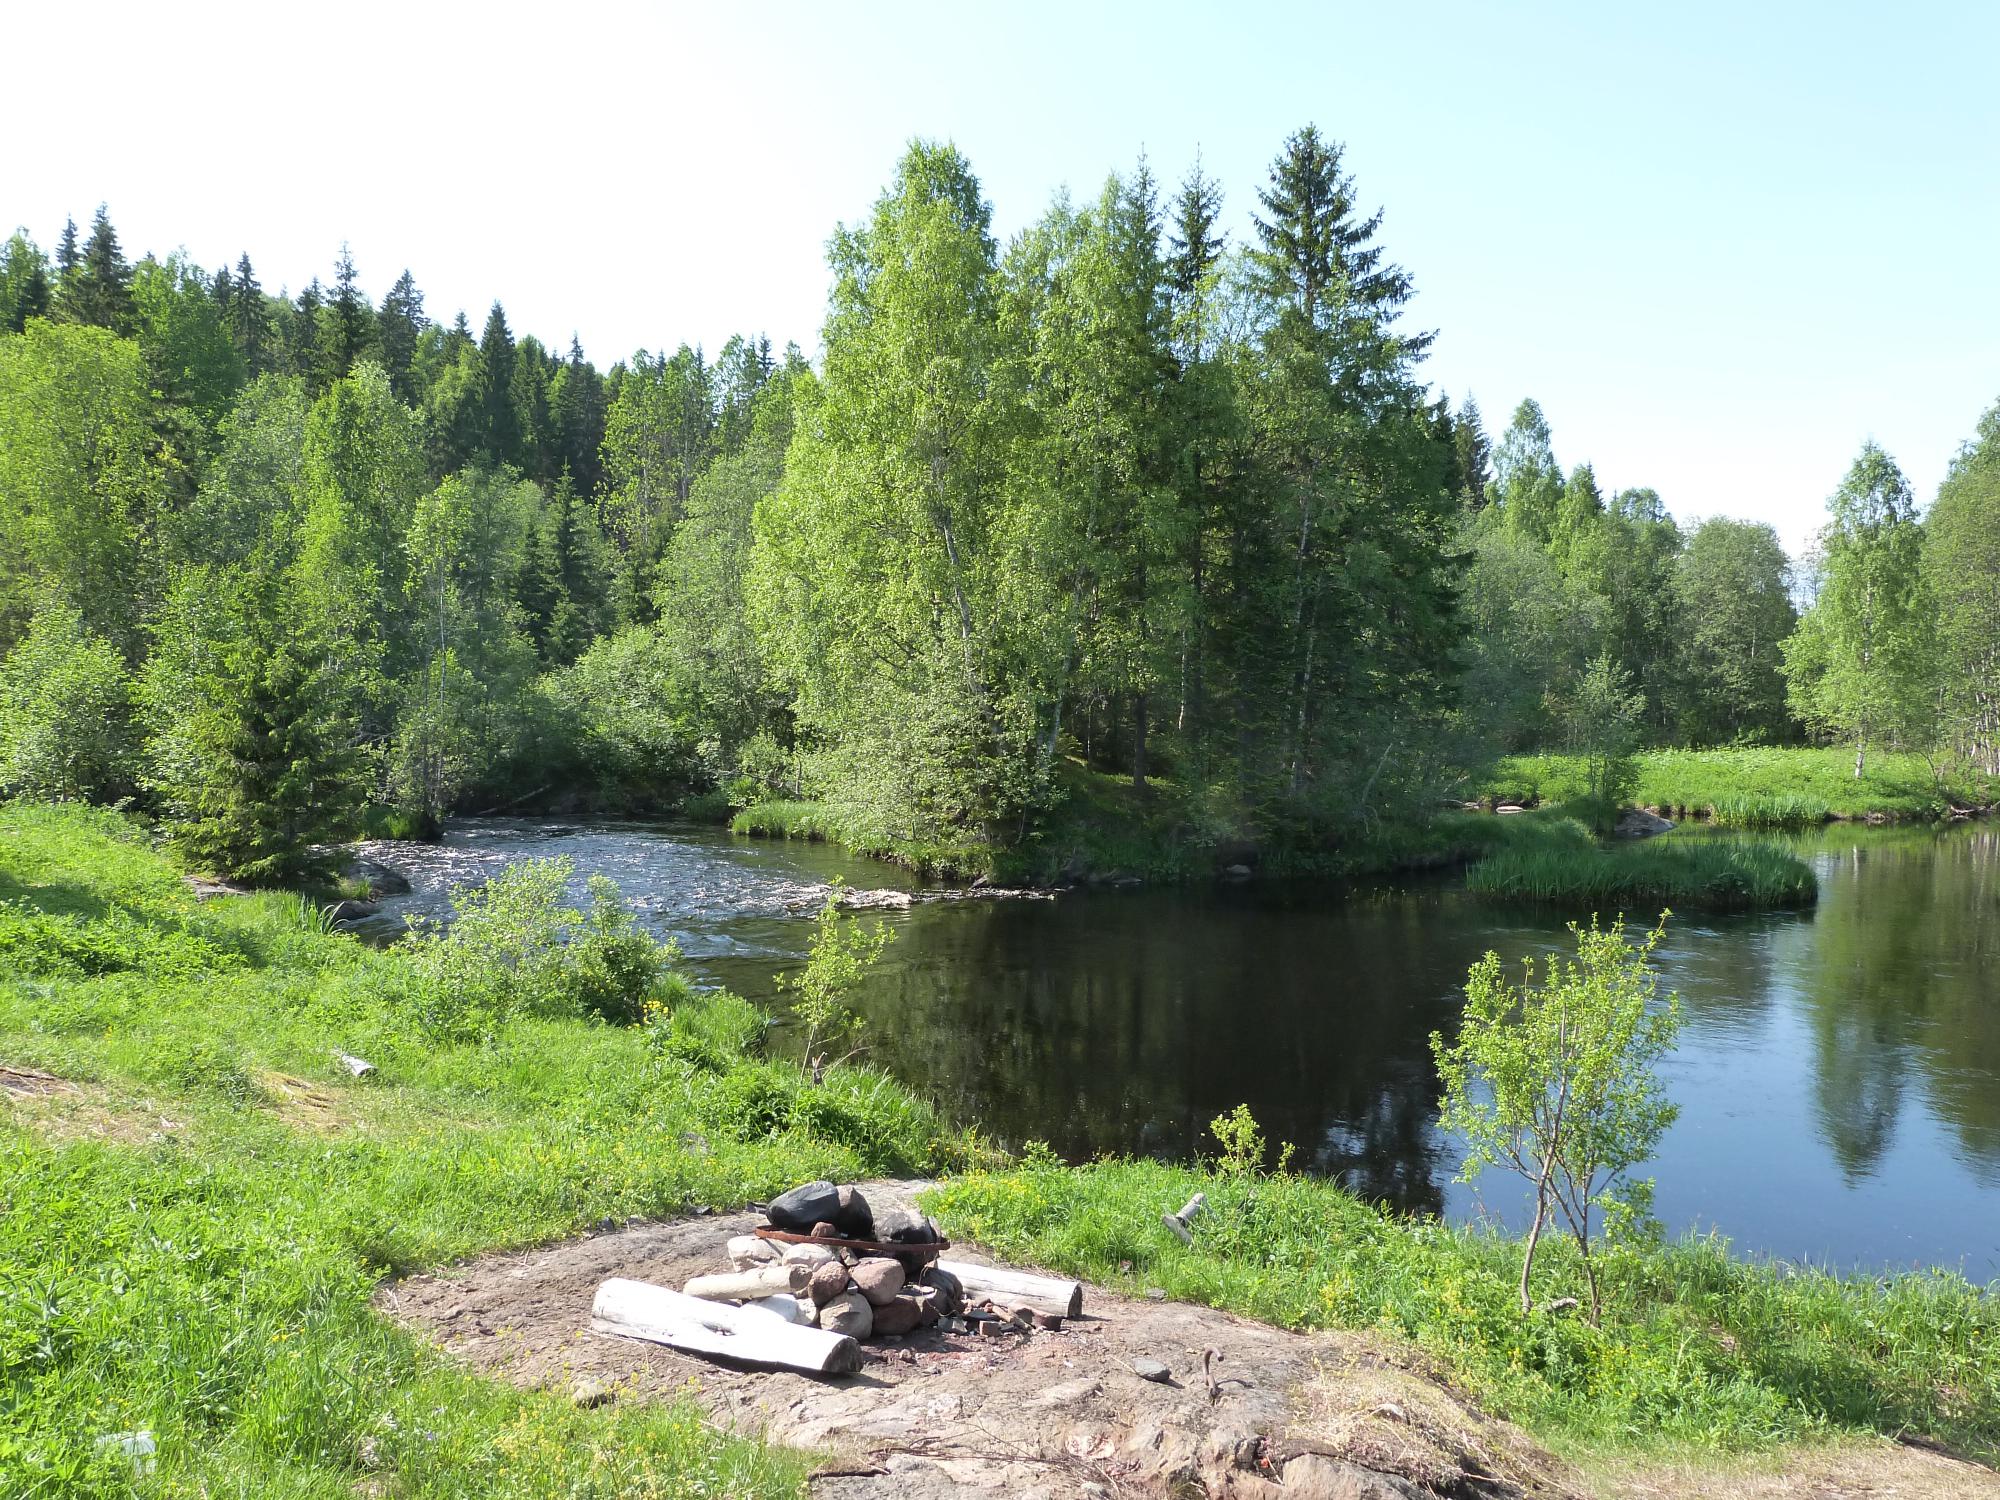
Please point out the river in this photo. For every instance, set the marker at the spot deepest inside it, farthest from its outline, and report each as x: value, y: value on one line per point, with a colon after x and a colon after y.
x: 1838, y: 1075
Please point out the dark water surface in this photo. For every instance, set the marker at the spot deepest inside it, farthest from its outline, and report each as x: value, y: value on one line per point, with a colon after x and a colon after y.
x: 1838, y: 1075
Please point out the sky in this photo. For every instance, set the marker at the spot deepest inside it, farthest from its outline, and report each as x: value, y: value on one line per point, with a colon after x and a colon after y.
x: 1722, y: 245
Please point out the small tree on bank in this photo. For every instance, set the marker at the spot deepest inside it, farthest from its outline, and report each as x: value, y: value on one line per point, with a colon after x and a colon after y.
x: 1554, y: 1081
x: 843, y: 953
x: 1601, y: 715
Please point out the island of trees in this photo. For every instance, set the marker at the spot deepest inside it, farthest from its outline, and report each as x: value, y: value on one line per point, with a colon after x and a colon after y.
x: 1122, y: 504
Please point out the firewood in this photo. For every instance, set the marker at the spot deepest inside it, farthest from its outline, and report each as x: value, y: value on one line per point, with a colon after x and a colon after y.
x: 747, y: 1286
x: 1014, y: 1288
x: 657, y: 1314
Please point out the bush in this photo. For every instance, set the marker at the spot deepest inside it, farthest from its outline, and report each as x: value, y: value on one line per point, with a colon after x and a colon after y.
x: 65, y: 707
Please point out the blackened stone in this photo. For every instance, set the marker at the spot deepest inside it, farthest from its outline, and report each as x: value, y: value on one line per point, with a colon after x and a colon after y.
x: 804, y: 1206
x: 950, y: 1293
x: 854, y: 1219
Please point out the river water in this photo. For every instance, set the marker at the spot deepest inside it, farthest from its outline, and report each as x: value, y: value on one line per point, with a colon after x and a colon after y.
x: 1838, y: 1074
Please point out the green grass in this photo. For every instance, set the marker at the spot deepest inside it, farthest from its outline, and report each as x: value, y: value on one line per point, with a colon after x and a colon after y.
x: 784, y: 820
x: 1756, y: 788
x: 184, y: 1250
x: 1715, y: 874
x: 1697, y: 1348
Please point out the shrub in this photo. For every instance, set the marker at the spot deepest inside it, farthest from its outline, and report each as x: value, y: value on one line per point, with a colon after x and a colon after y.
x: 65, y: 706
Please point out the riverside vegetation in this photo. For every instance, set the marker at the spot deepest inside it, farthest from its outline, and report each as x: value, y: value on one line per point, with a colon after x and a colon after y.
x: 202, y: 1204
x: 1124, y: 543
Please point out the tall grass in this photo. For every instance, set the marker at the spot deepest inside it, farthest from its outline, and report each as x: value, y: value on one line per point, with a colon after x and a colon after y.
x: 1772, y: 810
x: 1716, y: 875
x: 784, y: 820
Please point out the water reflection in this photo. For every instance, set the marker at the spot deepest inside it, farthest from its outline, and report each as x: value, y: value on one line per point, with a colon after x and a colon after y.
x: 1839, y: 1074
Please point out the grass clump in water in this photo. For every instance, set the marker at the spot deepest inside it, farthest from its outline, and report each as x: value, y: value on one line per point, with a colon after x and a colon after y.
x: 1780, y: 810
x: 783, y: 820
x: 1714, y: 874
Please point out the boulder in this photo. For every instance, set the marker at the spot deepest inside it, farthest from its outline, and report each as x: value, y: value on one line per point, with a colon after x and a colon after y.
x: 810, y: 1256
x: 849, y: 1313
x: 878, y: 1279
x: 898, y: 1226
x: 1638, y: 823
x: 804, y: 1206
x: 746, y: 1252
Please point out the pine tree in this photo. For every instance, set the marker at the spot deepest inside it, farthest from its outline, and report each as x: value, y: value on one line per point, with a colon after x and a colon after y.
x: 1195, y: 244
x: 68, y: 256
x: 347, y: 322
x: 400, y: 324
x: 577, y: 410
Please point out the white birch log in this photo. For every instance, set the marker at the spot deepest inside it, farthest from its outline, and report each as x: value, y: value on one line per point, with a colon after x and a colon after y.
x: 748, y: 1286
x: 753, y: 1335
x: 1017, y: 1288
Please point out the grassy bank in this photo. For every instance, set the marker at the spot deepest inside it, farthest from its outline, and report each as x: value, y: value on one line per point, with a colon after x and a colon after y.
x: 199, y: 1211
x: 1696, y: 1349
x: 1551, y: 860
x: 1758, y: 788
x: 203, y: 1202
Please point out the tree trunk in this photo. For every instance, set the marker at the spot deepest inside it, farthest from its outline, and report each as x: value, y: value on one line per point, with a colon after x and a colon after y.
x: 1139, y: 741
x: 1534, y: 1238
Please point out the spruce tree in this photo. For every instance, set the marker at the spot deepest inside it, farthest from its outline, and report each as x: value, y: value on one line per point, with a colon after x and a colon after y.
x: 400, y: 324
x: 1474, y: 455
x: 250, y: 319
x: 348, y: 321
x: 24, y: 283
x: 1195, y: 243
x: 98, y: 288
x: 67, y: 254
x: 302, y: 339
x: 502, y: 428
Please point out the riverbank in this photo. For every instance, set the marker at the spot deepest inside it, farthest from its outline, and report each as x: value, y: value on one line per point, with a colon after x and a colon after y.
x: 1789, y: 787
x: 204, y: 1200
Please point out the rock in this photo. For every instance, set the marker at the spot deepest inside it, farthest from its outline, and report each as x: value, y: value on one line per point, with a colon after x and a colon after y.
x: 1320, y: 1478
x: 784, y: 1305
x: 878, y: 1279
x: 950, y: 1293
x: 813, y: 1256
x: 380, y: 879
x: 849, y: 1313
x: 824, y: 1230
x: 804, y: 1206
x: 1236, y: 872
x: 342, y: 913
x: 1152, y: 1369
x: 1638, y: 823
x: 828, y: 1282
x: 898, y: 1226
x: 897, y: 1315
x: 853, y: 1218
x: 589, y: 1393
x: 747, y: 1252
x: 1510, y: 807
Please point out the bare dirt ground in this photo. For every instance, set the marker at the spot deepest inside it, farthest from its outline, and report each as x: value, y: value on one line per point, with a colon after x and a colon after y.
x: 944, y: 1416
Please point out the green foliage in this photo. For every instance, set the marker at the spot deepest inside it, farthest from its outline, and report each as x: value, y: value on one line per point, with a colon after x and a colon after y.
x: 65, y: 706
x: 1600, y: 717
x: 1962, y: 573
x: 782, y: 820
x: 843, y: 952
x: 1553, y: 1080
x: 1243, y: 1144
x: 1861, y: 665
x: 1732, y: 589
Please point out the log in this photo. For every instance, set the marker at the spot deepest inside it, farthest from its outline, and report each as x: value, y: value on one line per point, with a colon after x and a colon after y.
x: 659, y: 1315
x: 1018, y: 1288
x: 748, y: 1286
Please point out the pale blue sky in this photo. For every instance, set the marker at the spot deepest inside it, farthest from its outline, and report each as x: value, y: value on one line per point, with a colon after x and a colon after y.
x: 1720, y: 247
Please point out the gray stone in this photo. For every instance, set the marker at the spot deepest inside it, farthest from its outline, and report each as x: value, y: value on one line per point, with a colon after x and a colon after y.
x: 804, y: 1206
x: 849, y: 1313
x: 1152, y: 1369
x: 828, y: 1282
x: 950, y: 1293
x: 878, y: 1279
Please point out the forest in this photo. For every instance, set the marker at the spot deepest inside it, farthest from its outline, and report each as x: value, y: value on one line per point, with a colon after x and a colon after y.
x: 1124, y: 502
